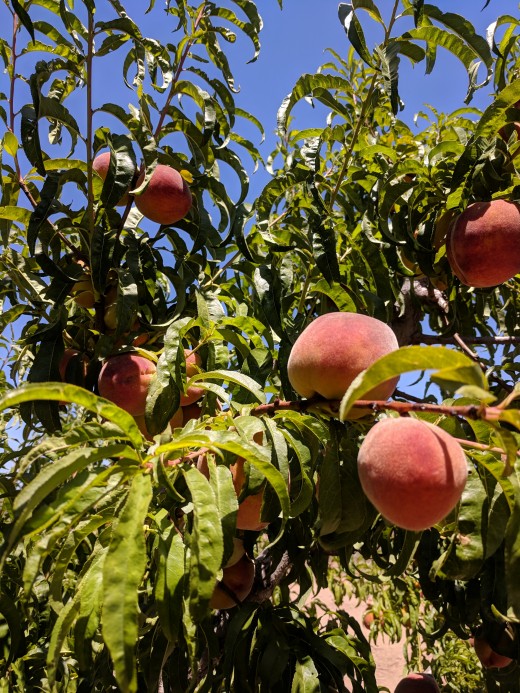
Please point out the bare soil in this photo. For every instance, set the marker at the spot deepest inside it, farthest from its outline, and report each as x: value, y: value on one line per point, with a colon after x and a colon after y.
x: 389, y: 657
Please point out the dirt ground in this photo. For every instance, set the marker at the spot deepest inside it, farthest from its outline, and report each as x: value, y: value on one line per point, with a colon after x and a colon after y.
x: 388, y: 656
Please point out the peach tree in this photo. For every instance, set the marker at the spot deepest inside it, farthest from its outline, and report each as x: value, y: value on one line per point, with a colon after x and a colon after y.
x: 172, y: 501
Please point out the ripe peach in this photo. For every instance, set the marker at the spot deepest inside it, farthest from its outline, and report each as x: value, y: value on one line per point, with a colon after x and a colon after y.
x: 238, y: 579
x: 487, y: 655
x: 101, y: 165
x: 483, y: 243
x: 334, y: 349
x: 412, y: 471
x: 124, y: 379
x: 193, y: 363
x: 238, y: 552
x: 167, y: 197
x: 191, y: 411
x: 249, y: 510
x: 417, y: 683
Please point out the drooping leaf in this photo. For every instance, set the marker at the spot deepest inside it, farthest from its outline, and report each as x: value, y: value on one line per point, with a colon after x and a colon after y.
x: 123, y: 571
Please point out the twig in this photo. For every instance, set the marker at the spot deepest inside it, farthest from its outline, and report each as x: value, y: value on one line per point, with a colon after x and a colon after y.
x: 441, y: 339
x: 402, y: 408
x: 265, y: 583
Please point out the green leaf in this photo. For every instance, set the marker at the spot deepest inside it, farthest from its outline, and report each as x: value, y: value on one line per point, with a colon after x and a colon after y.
x: 330, y: 496
x: 31, y: 138
x: 53, y: 475
x: 354, y: 30
x: 497, y: 114
x: 89, y: 583
x: 452, y: 369
x: 512, y: 549
x: 170, y: 583
x: 206, y: 543
x: 306, y: 678
x: 24, y: 17
x: 11, y: 613
x: 123, y: 571
x: 72, y: 393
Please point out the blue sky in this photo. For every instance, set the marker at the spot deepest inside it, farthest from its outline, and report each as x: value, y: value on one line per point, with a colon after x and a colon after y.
x: 294, y: 41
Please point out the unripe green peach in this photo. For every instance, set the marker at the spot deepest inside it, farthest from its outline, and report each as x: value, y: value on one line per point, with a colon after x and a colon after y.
x: 167, y: 197
x: 412, y: 472
x: 417, y: 683
x: 483, y: 243
x: 334, y: 349
x: 124, y: 379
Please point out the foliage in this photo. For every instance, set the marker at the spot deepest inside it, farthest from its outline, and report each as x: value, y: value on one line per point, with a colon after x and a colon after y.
x: 112, y: 543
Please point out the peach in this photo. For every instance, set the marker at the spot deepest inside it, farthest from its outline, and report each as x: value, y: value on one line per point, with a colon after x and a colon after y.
x: 191, y: 411
x: 334, y: 349
x: 412, y: 472
x: 238, y: 552
x: 101, y: 165
x: 249, y: 510
x: 124, y: 379
x: 175, y: 422
x: 167, y: 197
x: 483, y: 243
x: 75, y: 363
x: 237, y: 580
x: 417, y: 683
x: 193, y: 363
x: 507, y: 130
x: 83, y: 292
x: 487, y: 655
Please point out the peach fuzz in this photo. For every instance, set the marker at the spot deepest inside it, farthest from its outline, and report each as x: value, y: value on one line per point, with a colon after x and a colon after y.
x: 101, y: 165
x: 334, y: 349
x: 417, y: 683
x: 124, y: 380
x: 413, y: 472
x: 483, y: 243
x: 193, y: 364
x: 238, y: 578
x: 167, y: 197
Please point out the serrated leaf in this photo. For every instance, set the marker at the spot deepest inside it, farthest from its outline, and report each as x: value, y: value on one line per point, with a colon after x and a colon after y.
x: 170, y: 583
x: 123, y: 571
